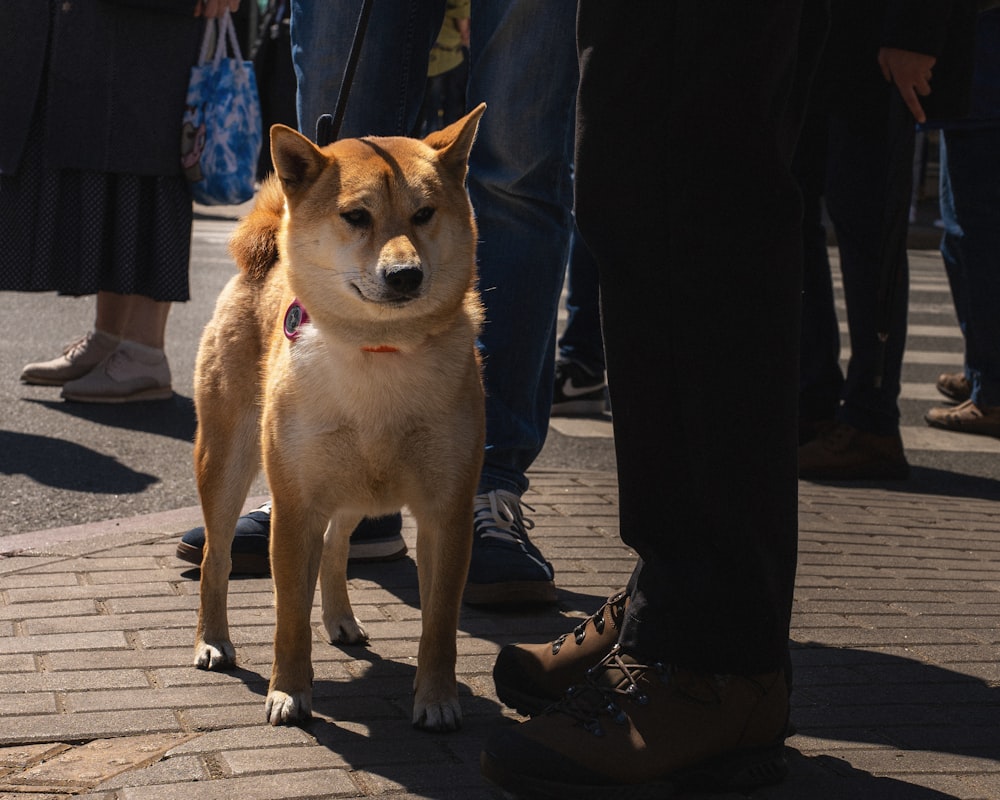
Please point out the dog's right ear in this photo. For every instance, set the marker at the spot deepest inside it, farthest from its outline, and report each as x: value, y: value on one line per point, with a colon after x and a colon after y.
x: 297, y: 161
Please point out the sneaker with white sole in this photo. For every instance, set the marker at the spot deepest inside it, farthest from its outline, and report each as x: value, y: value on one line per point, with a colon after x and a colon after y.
x: 78, y: 358
x: 578, y: 391
x: 131, y: 373
x: 506, y: 569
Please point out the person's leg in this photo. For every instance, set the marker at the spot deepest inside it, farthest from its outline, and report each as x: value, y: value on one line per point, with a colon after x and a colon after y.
x: 821, y: 378
x: 145, y: 322
x: 387, y: 91
x: 970, y: 206
x: 580, y: 386
x: 707, y: 486
x: 857, y: 196
x: 522, y: 64
x: 868, y: 176
x: 973, y: 170
x: 582, y: 340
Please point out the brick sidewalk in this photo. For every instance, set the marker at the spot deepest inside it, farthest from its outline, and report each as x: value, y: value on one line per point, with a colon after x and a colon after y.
x: 894, y: 635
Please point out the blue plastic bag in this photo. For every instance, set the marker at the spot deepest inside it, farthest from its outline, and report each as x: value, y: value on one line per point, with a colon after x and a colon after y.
x: 222, y: 130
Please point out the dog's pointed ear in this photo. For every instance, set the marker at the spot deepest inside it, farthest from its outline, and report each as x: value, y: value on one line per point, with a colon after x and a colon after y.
x: 297, y: 161
x: 454, y: 142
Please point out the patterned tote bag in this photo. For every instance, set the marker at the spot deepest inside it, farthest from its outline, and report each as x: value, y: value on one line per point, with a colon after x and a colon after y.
x: 222, y: 130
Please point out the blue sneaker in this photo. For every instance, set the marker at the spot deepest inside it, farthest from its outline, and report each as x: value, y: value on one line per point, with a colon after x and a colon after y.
x: 506, y: 568
x: 375, y: 539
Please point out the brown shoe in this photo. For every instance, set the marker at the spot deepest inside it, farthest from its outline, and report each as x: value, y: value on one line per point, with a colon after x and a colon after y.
x: 530, y: 677
x: 967, y: 418
x: 646, y: 730
x: 954, y: 385
x: 78, y: 358
x: 845, y: 453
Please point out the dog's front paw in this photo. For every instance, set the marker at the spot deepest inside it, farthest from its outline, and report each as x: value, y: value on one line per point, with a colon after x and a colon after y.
x: 346, y: 629
x: 217, y: 655
x: 438, y: 717
x: 285, y: 709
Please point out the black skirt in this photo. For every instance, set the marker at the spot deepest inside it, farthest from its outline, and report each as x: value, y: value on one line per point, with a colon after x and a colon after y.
x: 78, y: 232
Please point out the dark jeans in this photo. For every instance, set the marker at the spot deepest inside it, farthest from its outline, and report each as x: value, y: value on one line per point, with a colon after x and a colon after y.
x: 581, y: 340
x: 861, y: 183
x: 692, y: 213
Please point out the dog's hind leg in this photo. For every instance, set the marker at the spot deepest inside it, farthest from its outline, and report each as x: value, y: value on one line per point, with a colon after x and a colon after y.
x: 225, y: 466
x: 296, y: 550
x: 338, y: 616
x: 444, y: 544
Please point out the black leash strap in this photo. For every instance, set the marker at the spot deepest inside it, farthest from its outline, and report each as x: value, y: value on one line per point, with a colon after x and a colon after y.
x: 327, y: 127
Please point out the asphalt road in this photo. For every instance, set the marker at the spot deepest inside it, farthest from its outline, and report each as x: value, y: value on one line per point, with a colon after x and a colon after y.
x: 67, y: 463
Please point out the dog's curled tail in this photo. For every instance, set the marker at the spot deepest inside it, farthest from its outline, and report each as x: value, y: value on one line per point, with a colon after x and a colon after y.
x: 254, y: 244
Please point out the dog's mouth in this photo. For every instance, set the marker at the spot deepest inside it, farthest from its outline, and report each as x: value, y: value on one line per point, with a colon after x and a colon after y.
x: 386, y: 296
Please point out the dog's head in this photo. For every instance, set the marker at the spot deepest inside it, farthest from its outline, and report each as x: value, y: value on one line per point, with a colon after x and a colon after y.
x: 378, y: 228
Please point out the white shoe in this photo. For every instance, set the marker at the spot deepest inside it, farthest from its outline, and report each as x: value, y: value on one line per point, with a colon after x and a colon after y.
x: 78, y: 358
x: 132, y: 372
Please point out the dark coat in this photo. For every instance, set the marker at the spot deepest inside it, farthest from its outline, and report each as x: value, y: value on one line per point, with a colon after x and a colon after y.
x: 116, y: 80
x: 849, y: 79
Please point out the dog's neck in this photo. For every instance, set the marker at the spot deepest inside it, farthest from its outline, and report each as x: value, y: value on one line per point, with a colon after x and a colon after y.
x: 296, y: 316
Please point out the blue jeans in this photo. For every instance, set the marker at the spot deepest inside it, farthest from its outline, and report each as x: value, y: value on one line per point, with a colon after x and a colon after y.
x: 970, y: 209
x: 582, y: 340
x: 523, y: 64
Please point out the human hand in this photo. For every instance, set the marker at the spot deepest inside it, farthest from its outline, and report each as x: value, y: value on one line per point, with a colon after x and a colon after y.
x: 215, y: 8
x: 464, y: 27
x: 911, y: 72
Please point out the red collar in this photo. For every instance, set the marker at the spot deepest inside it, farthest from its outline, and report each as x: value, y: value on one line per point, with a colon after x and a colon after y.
x: 296, y: 316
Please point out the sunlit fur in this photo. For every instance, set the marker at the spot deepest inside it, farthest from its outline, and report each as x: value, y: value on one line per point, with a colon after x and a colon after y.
x: 344, y: 432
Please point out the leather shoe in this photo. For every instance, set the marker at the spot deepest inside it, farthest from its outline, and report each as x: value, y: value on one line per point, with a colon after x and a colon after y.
x: 845, y: 453
x: 966, y: 418
x: 530, y: 677
x: 954, y: 385
x: 646, y: 730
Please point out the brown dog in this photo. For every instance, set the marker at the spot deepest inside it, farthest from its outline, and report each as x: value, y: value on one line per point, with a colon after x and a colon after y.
x: 343, y: 355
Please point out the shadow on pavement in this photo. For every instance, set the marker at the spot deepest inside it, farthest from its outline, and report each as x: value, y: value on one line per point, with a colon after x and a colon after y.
x: 174, y: 418
x: 66, y: 465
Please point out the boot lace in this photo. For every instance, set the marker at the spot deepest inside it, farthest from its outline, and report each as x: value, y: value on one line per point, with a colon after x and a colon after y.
x: 591, y: 704
x: 615, y: 604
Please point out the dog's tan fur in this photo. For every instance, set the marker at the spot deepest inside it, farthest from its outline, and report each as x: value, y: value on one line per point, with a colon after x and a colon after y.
x: 344, y: 432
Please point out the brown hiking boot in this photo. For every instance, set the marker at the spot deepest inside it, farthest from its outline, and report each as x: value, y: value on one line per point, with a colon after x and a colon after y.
x: 954, y: 385
x: 966, y: 418
x: 845, y: 453
x: 530, y: 677
x: 639, y: 730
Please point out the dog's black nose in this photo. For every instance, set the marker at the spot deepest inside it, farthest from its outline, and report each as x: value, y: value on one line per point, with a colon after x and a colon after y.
x: 404, y: 280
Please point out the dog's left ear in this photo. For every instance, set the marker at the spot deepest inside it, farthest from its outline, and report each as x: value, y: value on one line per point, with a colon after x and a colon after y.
x: 454, y: 142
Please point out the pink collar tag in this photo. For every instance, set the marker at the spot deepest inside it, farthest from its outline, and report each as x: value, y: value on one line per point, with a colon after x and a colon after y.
x: 295, y: 317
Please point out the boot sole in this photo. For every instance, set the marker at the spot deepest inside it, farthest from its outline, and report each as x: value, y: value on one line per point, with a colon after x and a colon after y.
x: 736, y: 772
x: 524, y: 704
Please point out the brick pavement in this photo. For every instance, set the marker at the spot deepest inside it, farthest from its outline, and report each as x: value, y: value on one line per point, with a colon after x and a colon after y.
x: 895, y: 643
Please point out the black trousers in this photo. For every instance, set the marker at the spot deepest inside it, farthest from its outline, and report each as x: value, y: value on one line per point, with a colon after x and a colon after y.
x: 686, y: 129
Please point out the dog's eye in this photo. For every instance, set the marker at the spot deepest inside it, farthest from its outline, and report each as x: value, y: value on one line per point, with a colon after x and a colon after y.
x: 359, y: 218
x: 423, y: 216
